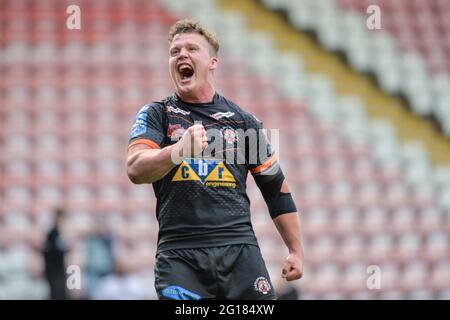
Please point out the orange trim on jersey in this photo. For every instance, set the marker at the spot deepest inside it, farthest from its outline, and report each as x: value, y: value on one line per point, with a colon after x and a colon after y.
x: 147, y: 142
x: 265, y: 165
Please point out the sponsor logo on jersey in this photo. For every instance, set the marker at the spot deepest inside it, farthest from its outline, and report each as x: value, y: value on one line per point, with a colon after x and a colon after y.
x: 230, y: 135
x: 177, y: 110
x: 210, y: 172
x: 219, y: 115
x: 262, y: 285
x: 175, y: 131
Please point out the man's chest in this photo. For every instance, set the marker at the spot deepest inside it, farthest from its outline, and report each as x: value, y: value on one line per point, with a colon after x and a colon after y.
x: 221, y: 125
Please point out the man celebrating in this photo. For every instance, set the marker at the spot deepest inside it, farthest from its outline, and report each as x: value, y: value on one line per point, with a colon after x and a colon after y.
x: 207, y: 248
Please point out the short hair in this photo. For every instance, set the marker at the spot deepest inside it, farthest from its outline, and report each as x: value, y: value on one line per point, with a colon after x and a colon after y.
x: 193, y: 26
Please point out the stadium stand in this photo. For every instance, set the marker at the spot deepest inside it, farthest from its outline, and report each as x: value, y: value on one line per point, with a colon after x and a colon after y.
x: 408, y: 56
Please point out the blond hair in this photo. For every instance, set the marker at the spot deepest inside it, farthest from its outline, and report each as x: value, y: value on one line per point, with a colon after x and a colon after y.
x: 193, y: 26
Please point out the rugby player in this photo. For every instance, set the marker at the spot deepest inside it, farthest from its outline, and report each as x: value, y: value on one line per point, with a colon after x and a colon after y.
x: 207, y: 248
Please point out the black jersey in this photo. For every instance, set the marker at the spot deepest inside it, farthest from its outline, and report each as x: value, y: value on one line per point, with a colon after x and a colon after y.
x: 202, y: 202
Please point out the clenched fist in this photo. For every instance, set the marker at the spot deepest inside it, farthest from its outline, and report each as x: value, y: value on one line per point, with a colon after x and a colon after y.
x: 293, y: 267
x: 191, y: 144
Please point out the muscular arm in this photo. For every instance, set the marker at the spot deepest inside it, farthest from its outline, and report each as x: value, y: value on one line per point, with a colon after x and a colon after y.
x: 146, y: 165
x: 271, y: 181
x: 288, y: 226
x: 276, y: 193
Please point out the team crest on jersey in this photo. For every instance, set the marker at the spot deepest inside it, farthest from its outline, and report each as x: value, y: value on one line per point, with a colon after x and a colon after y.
x: 230, y: 135
x: 262, y: 285
x: 177, y: 110
x: 210, y: 172
x: 219, y: 115
x: 175, y: 131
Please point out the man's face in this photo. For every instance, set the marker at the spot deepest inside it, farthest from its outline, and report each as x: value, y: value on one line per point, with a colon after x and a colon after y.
x: 190, y: 63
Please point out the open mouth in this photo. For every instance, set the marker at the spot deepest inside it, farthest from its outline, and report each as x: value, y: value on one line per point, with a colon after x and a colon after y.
x: 186, y: 71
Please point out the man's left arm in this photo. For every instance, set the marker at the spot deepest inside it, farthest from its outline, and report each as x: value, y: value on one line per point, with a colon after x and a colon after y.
x: 288, y: 226
x: 263, y: 164
x: 283, y: 211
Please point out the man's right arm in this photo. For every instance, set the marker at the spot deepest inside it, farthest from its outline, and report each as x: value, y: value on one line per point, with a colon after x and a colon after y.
x: 147, y: 163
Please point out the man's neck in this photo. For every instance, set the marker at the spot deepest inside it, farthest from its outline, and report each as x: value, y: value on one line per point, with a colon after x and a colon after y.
x: 203, y: 96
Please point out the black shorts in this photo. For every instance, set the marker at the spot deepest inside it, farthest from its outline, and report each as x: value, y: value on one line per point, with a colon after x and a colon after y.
x: 235, y: 272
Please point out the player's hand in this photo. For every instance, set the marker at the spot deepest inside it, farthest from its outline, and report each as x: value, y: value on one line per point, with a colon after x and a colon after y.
x: 293, y: 267
x: 193, y: 141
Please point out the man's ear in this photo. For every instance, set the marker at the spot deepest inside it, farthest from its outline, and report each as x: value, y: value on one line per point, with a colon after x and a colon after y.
x: 213, y: 63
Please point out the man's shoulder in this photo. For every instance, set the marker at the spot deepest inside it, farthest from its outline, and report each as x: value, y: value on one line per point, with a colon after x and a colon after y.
x: 158, y: 106
x: 151, y: 106
x: 246, y: 115
x: 229, y: 103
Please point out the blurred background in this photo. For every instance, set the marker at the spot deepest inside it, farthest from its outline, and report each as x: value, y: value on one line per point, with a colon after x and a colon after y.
x: 364, y: 119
